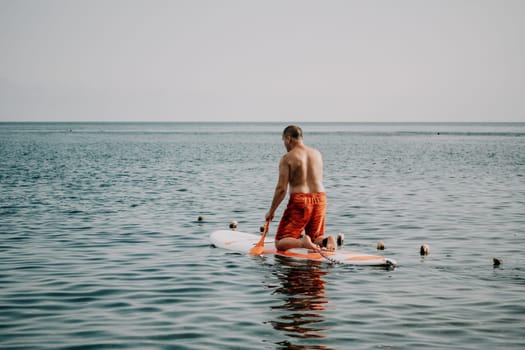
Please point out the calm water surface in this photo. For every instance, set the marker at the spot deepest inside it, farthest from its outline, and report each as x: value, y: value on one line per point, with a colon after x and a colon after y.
x: 101, y: 248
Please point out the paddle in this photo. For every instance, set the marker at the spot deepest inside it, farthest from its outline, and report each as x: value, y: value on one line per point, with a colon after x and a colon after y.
x: 258, y: 249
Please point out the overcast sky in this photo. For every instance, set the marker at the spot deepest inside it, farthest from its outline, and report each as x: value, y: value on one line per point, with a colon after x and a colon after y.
x: 376, y: 61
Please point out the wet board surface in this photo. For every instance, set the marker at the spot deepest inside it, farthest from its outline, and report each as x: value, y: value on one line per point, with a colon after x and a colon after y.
x: 242, y: 242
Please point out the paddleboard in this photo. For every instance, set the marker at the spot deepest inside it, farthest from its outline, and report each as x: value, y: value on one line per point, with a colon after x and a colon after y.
x: 242, y: 242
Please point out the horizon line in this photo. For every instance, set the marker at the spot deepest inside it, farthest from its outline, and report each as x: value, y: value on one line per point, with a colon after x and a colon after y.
x: 259, y: 122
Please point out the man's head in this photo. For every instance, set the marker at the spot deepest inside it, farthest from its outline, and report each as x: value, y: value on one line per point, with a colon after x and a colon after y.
x: 293, y: 131
x: 292, y: 135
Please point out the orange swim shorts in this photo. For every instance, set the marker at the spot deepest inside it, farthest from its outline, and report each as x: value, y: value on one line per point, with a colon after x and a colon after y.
x: 305, y: 211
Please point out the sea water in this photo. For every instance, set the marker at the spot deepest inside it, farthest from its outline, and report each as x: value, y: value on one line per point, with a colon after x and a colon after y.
x: 101, y: 246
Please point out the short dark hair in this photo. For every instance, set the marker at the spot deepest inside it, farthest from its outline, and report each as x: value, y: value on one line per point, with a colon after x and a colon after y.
x: 294, y: 131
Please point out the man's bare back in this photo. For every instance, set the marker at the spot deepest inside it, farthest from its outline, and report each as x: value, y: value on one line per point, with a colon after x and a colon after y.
x: 305, y: 166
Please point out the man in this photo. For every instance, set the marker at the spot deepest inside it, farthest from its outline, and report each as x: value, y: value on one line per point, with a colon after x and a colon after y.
x: 301, y: 169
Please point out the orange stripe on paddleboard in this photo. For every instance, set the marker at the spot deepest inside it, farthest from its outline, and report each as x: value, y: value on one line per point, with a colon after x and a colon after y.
x: 364, y: 258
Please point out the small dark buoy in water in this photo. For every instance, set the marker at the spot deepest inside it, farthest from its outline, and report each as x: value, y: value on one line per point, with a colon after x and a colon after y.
x: 439, y: 133
x: 233, y: 225
x: 340, y: 239
x: 424, y: 250
x: 200, y: 218
x: 497, y: 261
x: 380, y: 245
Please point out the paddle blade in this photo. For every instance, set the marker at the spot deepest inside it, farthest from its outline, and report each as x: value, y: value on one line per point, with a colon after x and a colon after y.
x: 258, y: 249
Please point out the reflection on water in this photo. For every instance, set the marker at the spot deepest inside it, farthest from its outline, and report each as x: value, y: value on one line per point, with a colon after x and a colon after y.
x: 302, y: 290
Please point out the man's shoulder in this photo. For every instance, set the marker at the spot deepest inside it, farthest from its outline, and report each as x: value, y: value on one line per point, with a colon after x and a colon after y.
x: 313, y: 150
x: 285, y: 158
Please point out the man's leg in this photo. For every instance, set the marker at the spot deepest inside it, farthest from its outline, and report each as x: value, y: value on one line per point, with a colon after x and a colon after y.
x: 289, y: 243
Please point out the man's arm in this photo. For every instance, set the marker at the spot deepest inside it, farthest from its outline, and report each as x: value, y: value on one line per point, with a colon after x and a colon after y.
x: 280, y: 189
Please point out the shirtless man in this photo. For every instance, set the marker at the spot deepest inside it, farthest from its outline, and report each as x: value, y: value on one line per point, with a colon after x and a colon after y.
x: 301, y: 169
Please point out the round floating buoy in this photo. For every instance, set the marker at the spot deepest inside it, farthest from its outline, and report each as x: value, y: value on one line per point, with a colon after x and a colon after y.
x: 233, y: 225
x: 424, y: 250
x: 340, y: 239
x: 497, y: 261
x: 380, y: 245
x: 200, y: 218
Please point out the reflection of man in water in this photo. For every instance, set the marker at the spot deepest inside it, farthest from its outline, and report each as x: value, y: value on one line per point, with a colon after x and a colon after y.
x: 303, y: 290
